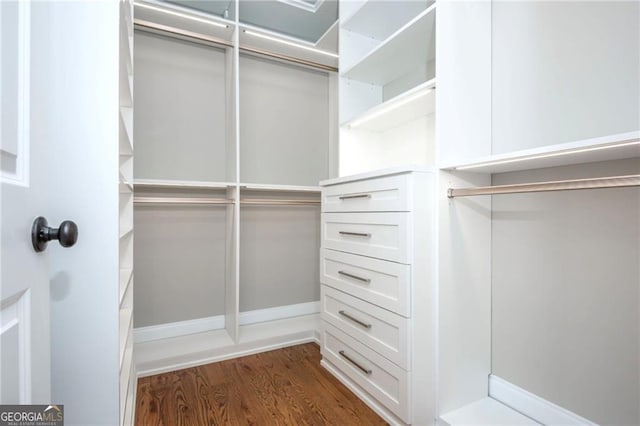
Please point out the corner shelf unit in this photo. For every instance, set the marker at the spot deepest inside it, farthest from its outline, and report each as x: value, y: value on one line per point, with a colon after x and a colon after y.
x: 244, y: 201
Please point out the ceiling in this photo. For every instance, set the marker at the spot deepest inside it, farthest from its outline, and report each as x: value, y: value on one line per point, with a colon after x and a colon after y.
x: 306, y: 20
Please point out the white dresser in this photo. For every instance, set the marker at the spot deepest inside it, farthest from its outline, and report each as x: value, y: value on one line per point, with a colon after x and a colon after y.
x: 378, y: 292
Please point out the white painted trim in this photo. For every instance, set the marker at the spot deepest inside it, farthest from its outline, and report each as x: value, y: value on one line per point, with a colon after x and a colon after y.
x: 21, y: 176
x: 198, y: 349
x: 279, y: 312
x: 533, y: 406
x: 179, y: 328
x: 201, y: 325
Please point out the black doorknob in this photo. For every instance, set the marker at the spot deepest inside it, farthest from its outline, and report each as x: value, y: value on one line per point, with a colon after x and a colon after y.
x: 41, y: 234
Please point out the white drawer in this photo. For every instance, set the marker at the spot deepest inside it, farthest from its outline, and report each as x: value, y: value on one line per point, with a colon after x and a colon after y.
x: 386, y: 194
x: 380, y: 235
x: 383, y: 283
x: 379, y: 329
x: 385, y: 381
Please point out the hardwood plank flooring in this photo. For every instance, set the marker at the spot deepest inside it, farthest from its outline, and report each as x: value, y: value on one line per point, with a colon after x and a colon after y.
x: 282, y: 387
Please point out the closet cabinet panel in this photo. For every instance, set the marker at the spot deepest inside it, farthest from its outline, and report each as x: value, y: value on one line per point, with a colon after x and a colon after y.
x: 381, y: 330
x: 181, y: 110
x: 180, y: 263
x: 278, y: 256
x: 284, y: 123
x: 387, y: 382
x: 383, y: 283
x: 577, y: 79
x: 389, y: 193
x: 379, y: 235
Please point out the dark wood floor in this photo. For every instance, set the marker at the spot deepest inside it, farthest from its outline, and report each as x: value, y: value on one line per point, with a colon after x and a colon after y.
x: 282, y: 387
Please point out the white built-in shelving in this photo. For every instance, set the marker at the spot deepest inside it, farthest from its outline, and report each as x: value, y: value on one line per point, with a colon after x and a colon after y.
x: 258, y: 166
x: 125, y: 176
x: 397, y: 54
x: 387, y: 84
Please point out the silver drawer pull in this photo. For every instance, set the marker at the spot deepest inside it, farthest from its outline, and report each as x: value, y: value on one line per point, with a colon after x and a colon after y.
x: 356, y: 320
x: 355, y: 234
x: 355, y: 277
x: 361, y: 368
x: 351, y: 197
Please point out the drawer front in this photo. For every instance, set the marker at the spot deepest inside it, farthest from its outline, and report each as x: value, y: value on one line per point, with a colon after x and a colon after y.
x: 385, y: 381
x: 386, y: 194
x: 383, y: 283
x: 379, y: 329
x: 381, y: 235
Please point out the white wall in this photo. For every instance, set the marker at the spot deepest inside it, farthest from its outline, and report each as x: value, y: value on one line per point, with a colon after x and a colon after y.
x: 565, y: 288
x: 284, y: 123
x: 180, y: 255
x: 180, y: 110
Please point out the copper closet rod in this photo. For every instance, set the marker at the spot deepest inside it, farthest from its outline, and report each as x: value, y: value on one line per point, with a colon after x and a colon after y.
x: 205, y: 39
x: 562, y: 185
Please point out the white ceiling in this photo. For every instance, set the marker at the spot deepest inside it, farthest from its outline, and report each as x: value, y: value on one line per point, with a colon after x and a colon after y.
x: 306, y: 20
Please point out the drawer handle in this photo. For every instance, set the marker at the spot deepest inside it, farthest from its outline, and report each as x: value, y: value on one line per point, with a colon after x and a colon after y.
x: 355, y: 277
x: 355, y: 234
x: 361, y: 368
x: 351, y: 197
x: 356, y: 320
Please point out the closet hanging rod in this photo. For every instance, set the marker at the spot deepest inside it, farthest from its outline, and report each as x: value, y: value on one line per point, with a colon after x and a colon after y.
x: 140, y: 24
x: 180, y: 200
x: 562, y: 185
x: 276, y: 202
x: 205, y: 39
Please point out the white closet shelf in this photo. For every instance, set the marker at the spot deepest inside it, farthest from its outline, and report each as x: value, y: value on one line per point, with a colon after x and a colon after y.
x: 126, y: 87
x: 278, y: 188
x: 406, y: 107
x: 180, y: 184
x: 379, y: 19
x: 605, y: 148
x: 486, y: 411
x: 397, y: 54
x: 125, y: 186
x: 126, y: 131
x: 126, y: 318
x: 125, y: 281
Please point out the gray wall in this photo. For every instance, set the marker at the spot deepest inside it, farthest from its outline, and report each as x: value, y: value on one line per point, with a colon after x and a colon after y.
x: 279, y: 256
x: 180, y: 110
x: 179, y: 257
x: 284, y: 123
x: 563, y: 71
x: 566, y: 280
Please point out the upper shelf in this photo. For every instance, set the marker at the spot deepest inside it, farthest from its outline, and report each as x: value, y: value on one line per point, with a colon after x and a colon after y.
x: 379, y: 19
x: 180, y: 184
x: 398, y: 110
x: 605, y: 148
x: 278, y: 188
x: 398, y: 53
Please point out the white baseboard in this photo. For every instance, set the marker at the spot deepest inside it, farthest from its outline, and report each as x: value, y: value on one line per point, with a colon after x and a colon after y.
x: 533, y: 406
x: 279, y: 312
x: 202, y: 325
x: 170, y: 354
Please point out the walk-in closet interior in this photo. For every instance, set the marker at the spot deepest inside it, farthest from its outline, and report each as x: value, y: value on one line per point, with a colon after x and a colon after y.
x: 442, y: 194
